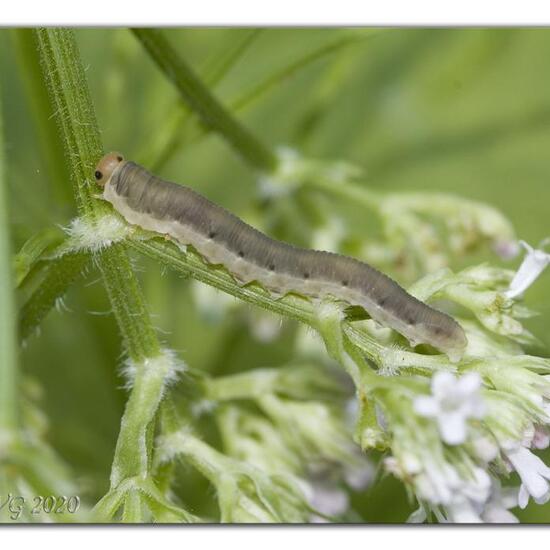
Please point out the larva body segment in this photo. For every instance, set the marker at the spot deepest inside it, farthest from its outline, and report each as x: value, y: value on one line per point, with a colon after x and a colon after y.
x: 222, y: 238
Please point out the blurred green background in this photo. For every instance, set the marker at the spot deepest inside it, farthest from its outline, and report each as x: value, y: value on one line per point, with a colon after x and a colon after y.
x: 459, y: 110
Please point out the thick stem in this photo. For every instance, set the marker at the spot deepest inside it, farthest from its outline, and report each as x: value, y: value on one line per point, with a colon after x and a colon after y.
x: 74, y: 112
x: 71, y: 106
x: 132, y: 454
x: 198, y: 96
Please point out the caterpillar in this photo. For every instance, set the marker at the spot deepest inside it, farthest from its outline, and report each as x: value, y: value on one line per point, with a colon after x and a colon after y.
x: 249, y: 255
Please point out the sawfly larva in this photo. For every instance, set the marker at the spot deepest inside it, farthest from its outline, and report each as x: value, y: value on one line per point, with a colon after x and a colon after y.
x: 222, y: 238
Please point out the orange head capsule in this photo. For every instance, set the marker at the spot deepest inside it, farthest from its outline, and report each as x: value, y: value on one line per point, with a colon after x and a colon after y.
x: 106, y: 166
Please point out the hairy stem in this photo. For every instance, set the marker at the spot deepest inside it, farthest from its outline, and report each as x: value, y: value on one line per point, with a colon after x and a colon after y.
x: 72, y: 109
x: 200, y: 99
x: 75, y: 114
x: 60, y: 275
x: 291, y: 306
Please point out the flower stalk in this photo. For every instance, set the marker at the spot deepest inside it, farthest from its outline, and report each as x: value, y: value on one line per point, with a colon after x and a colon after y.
x: 72, y: 107
x: 198, y: 96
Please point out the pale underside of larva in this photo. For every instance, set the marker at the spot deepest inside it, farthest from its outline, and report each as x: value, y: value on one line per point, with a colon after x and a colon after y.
x: 222, y: 238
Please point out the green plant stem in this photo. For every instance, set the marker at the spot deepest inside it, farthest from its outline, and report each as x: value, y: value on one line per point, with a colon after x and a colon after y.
x: 71, y: 106
x: 291, y: 306
x: 252, y: 95
x: 59, y: 276
x: 351, y: 192
x: 74, y: 112
x: 73, y: 109
x: 172, y: 131
x: 8, y: 336
x: 33, y: 251
x: 200, y: 99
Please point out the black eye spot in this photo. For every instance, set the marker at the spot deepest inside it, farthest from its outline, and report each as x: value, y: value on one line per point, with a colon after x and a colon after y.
x: 410, y: 321
x: 306, y: 275
x: 382, y: 302
x: 119, y: 158
x: 241, y: 254
x: 212, y: 234
x: 98, y: 175
x: 345, y: 283
x: 271, y: 267
x: 437, y: 330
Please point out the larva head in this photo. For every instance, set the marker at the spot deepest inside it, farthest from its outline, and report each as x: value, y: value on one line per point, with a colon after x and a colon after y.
x: 106, y: 166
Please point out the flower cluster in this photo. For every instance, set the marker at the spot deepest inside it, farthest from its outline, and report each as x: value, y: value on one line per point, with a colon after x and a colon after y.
x: 299, y: 433
x: 412, y: 245
x: 453, y: 436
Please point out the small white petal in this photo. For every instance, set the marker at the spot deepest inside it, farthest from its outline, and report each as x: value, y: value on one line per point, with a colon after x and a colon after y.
x: 485, y: 449
x: 523, y: 497
x: 359, y: 478
x: 541, y: 438
x: 477, y: 407
x: 469, y: 383
x: 452, y: 427
x: 543, y: 499
x: 532, y: 266
x: 426, y: 406
x: 506, y: 249
x: 532, y: 471
x: 418, y: 516
x: 462, y: 511
x: 443, y: 384
x: 494, y: 514
x: 329, y: 500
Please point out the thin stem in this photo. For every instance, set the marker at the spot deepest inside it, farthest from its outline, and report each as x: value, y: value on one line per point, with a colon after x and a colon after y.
x: 351, y: 192
x: 60, y: 275
x: 248, y: 97
x: 291, y: 306
x: 200, y: 99
x: 33, y: 251
x: 191, y: 264
x: 172, y: 132
x: 8, y: 336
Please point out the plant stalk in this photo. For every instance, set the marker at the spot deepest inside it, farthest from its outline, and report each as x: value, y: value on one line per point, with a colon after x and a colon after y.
x: 202, y: 101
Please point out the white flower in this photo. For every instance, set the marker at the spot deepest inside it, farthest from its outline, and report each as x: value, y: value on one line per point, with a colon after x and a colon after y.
x: 506, y: 248
x: 533, y: 265
x: 359, y: 477
x: 453, y: 401
x: 534, y: 475
x: 501, y: 499
x: 541, y: 438
x: 480, y: 500
x: 462, y: 510
x: 328, y: 499
x: 462, y: 499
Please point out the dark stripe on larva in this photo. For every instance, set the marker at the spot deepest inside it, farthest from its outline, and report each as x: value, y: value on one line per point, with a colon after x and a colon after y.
x: 137, y: 191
